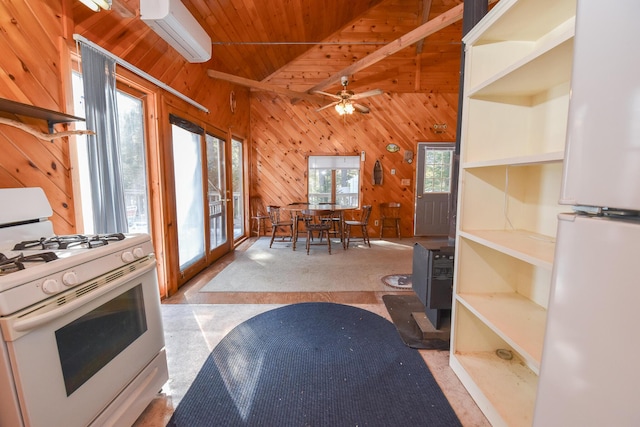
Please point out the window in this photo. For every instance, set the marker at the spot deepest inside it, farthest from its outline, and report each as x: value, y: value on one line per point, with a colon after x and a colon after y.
x: 437, y: 170
x: 334, y: 179
x: 132, y: 161
x: 134, y: 171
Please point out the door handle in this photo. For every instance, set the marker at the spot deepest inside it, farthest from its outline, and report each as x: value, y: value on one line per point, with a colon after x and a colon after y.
x: 420, y: 196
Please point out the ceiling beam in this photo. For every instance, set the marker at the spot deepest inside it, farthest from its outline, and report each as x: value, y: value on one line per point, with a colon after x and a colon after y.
x: 426, y: 10
x: 441, y: 21
x: 432, y: 26
x: 124, y: 8
x: 253, y: 84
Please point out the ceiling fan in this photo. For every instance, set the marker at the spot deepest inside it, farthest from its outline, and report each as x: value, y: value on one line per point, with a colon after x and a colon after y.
x: 345, y: 98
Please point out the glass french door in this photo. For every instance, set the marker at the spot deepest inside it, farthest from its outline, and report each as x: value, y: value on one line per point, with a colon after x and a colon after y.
x: 189, y: 195
x: 203, y: 195
x: 217, y: 192
x: 237, y: 179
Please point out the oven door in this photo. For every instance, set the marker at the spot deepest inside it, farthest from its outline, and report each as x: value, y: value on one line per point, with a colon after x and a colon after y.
x: 72, y: 359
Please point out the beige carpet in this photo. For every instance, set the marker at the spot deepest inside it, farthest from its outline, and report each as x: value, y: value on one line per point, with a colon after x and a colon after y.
x: 280, y: 269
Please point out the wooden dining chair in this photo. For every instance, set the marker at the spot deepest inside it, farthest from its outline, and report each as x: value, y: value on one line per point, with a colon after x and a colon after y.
x: 336, y: 219
x: 259, y: 215
x: 362, y: 224
x: 278, y: 223
x: 317, y: 221
x: 390, y: 217
x: 299, y: 219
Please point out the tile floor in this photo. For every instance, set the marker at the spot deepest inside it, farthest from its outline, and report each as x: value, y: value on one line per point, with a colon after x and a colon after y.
x: 195, y: 322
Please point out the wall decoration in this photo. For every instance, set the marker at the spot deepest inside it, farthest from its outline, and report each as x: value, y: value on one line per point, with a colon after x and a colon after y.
x: 392, y: 148
x: 439, y: 127
x: 41, y: 135
x: 408, y: 156
x: 377, y: 173
x: 232, y: 101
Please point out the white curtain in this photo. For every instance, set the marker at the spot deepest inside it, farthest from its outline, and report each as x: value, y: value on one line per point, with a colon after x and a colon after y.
x: 99, y: 81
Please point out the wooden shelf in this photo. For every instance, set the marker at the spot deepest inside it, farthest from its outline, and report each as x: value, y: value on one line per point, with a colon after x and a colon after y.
x: 506, y: 388
x: 52, y: 117
x: 515, y: 318
x: 539, y: 73
x: 518, y: 69
x: 530, y: 247
x: 534, y: 159
x: 546, y: 65
x: 521, y: 20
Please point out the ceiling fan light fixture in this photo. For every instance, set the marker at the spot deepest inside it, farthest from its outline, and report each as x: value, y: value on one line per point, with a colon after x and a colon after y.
x: 344, y: 107
x: 348, y: 108
x: 344, y: 103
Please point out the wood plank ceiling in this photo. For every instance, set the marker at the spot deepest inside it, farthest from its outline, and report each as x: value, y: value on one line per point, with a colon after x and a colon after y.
x: 297, y: 44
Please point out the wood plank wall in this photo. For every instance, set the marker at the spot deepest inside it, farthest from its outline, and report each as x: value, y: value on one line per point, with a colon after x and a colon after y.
x: 281, y: 135
x: 34, y: 77
x: 35, y: 68
x: 41, y: 77
x: 284, y: 135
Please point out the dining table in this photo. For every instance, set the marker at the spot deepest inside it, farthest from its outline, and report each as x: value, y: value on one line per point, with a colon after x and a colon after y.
x: 296, y: 209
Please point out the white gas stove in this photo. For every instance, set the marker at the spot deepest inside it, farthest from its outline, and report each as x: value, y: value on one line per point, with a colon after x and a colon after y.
x: 82, y: 341
x: 33, y: 270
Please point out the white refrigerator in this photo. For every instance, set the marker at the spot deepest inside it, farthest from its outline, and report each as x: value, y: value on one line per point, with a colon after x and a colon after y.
x: 590, y: 369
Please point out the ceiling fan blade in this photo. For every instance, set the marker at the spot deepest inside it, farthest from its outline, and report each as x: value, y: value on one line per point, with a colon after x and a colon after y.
x: 332, y: 95
x: 373, y: 92
x: 327, y: 106
x: 361, y: 108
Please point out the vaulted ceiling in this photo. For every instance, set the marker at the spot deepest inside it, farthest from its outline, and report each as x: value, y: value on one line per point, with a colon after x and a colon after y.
x: 300, y: 44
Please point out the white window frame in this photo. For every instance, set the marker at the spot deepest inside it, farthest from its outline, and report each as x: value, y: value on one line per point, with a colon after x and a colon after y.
x: 333, y: 168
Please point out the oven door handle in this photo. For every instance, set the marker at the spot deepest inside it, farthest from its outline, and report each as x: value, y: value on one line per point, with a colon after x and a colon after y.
x: 28, y: 323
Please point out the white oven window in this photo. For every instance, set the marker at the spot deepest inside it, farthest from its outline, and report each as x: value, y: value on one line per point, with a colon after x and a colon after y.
x: 87, y: 344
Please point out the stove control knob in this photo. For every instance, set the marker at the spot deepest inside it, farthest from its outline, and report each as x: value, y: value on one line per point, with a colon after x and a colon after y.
x: 127, y: 257
x: 138, y: 253
x: 51, y: 286
x: 70, y: 278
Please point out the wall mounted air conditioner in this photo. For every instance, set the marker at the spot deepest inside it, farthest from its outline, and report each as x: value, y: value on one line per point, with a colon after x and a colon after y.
x: 175, y: 24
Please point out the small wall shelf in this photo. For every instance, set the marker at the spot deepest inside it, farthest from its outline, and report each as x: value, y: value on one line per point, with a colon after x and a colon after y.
x: 52, y: 117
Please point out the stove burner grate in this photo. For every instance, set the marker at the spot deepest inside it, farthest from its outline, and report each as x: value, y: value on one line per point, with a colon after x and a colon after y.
x: 16, y: 263
x: 69, y: 241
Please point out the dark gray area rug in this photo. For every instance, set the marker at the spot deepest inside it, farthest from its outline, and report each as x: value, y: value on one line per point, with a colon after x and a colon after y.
x: 314, y: 364
x: 400, y: 308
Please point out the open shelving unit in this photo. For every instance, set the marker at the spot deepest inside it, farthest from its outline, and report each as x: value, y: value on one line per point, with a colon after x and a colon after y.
x: 515, y: 107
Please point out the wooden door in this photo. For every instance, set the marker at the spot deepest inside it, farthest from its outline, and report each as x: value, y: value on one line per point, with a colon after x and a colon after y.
x: 433, y: 189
